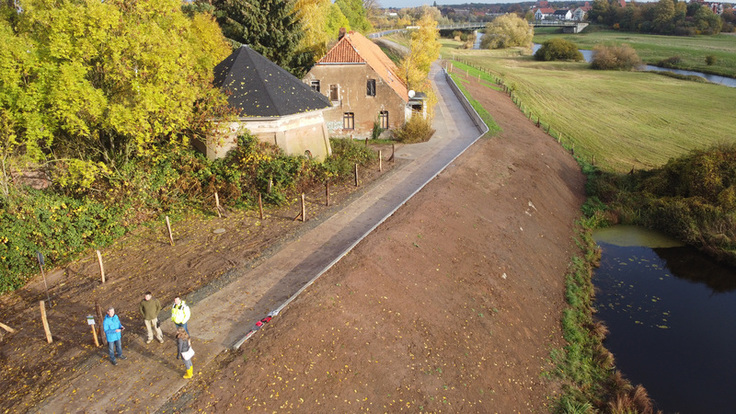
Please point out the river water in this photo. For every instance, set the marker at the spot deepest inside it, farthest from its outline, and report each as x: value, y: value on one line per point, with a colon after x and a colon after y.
x: 721, y: 80
x: 671, y: 312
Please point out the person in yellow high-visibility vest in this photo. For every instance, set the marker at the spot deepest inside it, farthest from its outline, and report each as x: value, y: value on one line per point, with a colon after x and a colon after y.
x: 180, y: 314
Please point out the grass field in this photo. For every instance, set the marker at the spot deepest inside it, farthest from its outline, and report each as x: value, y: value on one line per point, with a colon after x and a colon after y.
x: 654, y: 48
x: 624, y: 119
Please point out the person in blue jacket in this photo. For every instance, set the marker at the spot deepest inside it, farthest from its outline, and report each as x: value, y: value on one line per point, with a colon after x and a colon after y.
x: 114, y: 333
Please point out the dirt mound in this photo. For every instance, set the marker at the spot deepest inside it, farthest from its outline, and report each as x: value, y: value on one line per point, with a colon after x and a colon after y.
x: 452, y: 305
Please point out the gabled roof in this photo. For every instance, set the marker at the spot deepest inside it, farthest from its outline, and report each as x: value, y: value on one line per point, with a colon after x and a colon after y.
x: 260, y: 88
x: 546, y: 10
x: 356, y: 49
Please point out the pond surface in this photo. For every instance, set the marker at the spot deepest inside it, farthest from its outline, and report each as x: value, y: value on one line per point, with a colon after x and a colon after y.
x: 721, y: 80
x: 671, y: 313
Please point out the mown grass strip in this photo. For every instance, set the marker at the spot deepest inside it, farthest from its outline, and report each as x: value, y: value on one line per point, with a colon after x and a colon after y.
x: 493, y: 127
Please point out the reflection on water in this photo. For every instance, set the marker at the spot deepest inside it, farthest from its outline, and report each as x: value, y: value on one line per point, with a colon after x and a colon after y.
x: 670, y: 311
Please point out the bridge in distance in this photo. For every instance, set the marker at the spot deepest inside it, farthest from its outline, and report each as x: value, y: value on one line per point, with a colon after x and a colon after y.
x: 566, y: 25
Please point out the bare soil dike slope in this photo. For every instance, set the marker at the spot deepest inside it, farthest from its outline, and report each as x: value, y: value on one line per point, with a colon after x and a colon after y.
x: 452, y: 305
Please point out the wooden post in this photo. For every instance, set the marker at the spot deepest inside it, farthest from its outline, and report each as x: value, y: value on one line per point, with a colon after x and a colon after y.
x: 327, y: 193
x: 98, y: 311
x: 39, y: 256
x: 366, y: 142
x: 168, y: 226
x: 217, y: 205
x: 94, y: 335
x: 356, y: 175
x: 45, y: 322
x: 102, y: 268
x: 260, y: 205
x: 559, y: 137
x: 380, y: 161
x: 393, y: 152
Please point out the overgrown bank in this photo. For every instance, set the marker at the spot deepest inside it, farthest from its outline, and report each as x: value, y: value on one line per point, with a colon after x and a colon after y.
x: 62, y: 223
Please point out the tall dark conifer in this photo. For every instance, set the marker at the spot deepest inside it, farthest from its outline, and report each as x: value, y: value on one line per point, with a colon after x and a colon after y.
x: 270, y: 27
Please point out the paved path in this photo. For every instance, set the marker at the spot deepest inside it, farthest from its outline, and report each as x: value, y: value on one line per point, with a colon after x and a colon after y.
x: 151, y: 375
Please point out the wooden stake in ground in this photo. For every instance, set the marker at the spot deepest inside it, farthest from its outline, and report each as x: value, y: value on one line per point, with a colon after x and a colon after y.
x: 91, y: 323
x: 7, y: 328
x: 45, y: 322
x: 304, y: 209
x: 98, y: 311
x: 327, y: 193
x: 393, y: 152
x: 260, y: 205
x: 380, y: 161
x: 168, y: 226
x: 217, y: 205
x: 39, y: 255
x: 102, y: 268
x: 356, y: 175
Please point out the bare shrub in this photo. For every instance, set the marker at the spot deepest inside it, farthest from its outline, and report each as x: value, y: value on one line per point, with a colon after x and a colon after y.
x: 417, y: 129
x: 621, y: 57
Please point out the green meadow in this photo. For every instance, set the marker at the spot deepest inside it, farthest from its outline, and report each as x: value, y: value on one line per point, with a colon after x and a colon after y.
x: 692, y: 50
x: 623, y: 120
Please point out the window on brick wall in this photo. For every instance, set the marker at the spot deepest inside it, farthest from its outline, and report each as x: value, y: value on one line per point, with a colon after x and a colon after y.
x: 348, y: 120
x: 370, y: 87
x: 383, y: 119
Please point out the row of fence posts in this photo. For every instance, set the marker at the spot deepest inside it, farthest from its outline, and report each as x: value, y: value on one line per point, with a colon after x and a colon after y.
x: 98, y: 310
x: 518, y: 103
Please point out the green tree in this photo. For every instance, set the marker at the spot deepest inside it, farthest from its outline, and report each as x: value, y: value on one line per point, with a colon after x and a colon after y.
x: 335, y: 21
x: 356, y: 15
x: 508, y: 30
x: 425, y: 49
x: 105, y: 81
x: 270, y: 27
x: 558, y: 49
x: 707, y: 22
x: 664, y: 15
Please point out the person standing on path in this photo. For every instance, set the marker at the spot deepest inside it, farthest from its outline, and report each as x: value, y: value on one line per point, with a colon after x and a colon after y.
x: 150, y: 307
x: 114, y: 333
x: 184, y: 351
x: 180, y: 314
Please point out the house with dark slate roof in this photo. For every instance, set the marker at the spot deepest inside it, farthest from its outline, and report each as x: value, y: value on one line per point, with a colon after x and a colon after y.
x: 364, y: 86
x: 274, y: 105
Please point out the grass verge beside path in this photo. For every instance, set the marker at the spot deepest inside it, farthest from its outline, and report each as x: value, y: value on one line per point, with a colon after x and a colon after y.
x: 493, y: 128
x: 653, y: 48
x: 622, y: 120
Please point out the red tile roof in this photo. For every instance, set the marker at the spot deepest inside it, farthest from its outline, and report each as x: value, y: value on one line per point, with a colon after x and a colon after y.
x: 354, y: 48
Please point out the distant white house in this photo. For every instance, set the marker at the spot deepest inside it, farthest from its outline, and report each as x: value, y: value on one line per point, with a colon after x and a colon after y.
x: 580, y: 12
x: 563, y: 14
x: 543, y: 12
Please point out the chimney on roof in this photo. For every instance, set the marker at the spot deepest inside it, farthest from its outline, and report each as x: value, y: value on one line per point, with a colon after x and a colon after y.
x: 342, y: 33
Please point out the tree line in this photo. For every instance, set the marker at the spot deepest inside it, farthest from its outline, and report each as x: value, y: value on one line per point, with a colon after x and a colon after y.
x: 667, y: 17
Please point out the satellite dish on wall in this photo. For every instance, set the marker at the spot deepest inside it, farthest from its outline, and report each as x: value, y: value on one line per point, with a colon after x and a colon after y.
x: 411, y: 93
